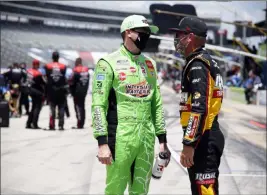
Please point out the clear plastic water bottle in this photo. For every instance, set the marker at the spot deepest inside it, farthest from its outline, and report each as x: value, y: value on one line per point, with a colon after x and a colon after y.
x: 159, y: 165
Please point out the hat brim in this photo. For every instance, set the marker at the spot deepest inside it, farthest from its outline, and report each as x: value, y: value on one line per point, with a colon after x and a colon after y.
x: 154, y: 29
x: 177, y: 30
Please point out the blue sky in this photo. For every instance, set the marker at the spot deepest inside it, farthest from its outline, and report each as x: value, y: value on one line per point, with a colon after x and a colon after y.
x: 227, y: 11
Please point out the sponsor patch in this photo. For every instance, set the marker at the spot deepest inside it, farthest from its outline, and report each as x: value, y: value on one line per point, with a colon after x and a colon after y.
x: 196, y: 95
x: 144, y: 71
x: 145, y: 21
x: 121, y: 68
x: 215, y: 64
x: 102, y: 67
x: 122, y: 62
x: 98, y: 120
x: 99, y: 84
x: 163, y: 122
x: 132, y: 69
x: 192, y: 126
x: 217, y: 94
x: 56, y: 74
x: 196, y: 104
x: 138, y: 90
x: 183, y: 97
x: 219, y: 81
x: 122, y: 76
x: 137, y: 100
x: 185, y: 108
x: 100, y: 92
x: 152, y: 73
x: 149, y: 65
x: 205, y: 178
x: 100, y: 77
x: 196, y: 68
x: 196, y: 80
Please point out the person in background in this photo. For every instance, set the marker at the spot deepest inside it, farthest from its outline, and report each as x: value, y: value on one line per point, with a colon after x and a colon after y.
x: 56, y: 90
x: 3, y: 88
x: 36, y: 89
x: 14, y: 77
x: 254, y: 50
x: 24, y: 100
x: 234, y: 76
x: 78, y: 87
x: 249, y: 85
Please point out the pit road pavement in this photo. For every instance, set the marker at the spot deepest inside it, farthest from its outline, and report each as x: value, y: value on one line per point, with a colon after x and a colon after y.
x: 64, y: 162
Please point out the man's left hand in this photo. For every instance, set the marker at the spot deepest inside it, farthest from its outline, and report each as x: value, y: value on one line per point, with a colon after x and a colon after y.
x: 164, y: 148
x: 187, y: 156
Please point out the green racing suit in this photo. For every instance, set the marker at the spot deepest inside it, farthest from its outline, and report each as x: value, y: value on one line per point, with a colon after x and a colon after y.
x: 127, y: 114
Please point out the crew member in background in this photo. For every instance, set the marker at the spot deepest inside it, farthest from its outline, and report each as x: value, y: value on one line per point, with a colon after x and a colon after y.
x: 56, y: 90
x: 14, y: 77
x: 201, y: 99
x: 79, y: 87
x: 3, y: 88
x: 24, y: 100
x: 36, y: 89
x: 250, y: 85
x: 42, y: 70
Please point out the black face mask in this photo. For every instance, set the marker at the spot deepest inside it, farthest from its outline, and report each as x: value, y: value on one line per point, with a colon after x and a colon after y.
x: 141, y: 40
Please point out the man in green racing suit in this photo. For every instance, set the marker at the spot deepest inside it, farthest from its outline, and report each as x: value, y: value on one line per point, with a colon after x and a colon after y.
x: 127, y: 111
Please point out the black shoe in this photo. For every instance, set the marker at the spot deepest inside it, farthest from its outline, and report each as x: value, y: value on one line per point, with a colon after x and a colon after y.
x: 36, y: 127
x: 77, y: 127
x: 28, y: 127
x: 52, y: 128
x: 61, y: 128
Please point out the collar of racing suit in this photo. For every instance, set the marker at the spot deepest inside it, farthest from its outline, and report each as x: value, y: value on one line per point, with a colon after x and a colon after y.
x: 194, y: 53
x: 133, y: 57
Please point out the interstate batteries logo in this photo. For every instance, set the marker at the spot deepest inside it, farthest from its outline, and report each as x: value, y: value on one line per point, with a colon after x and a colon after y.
x: 138, y: 90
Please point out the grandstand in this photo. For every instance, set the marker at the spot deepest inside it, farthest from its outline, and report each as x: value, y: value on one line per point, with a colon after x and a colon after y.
x: 19, y: 40
x: 49, y: 26
x: 46, y: 26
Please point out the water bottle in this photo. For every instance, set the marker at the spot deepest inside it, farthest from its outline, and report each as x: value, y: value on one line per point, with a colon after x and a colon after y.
x: 159, y: 165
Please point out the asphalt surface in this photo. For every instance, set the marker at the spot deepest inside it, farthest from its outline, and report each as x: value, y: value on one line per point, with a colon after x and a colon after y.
x: 64, y: 162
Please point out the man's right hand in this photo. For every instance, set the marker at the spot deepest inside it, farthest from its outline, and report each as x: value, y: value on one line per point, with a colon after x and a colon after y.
x: 104, y: 154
